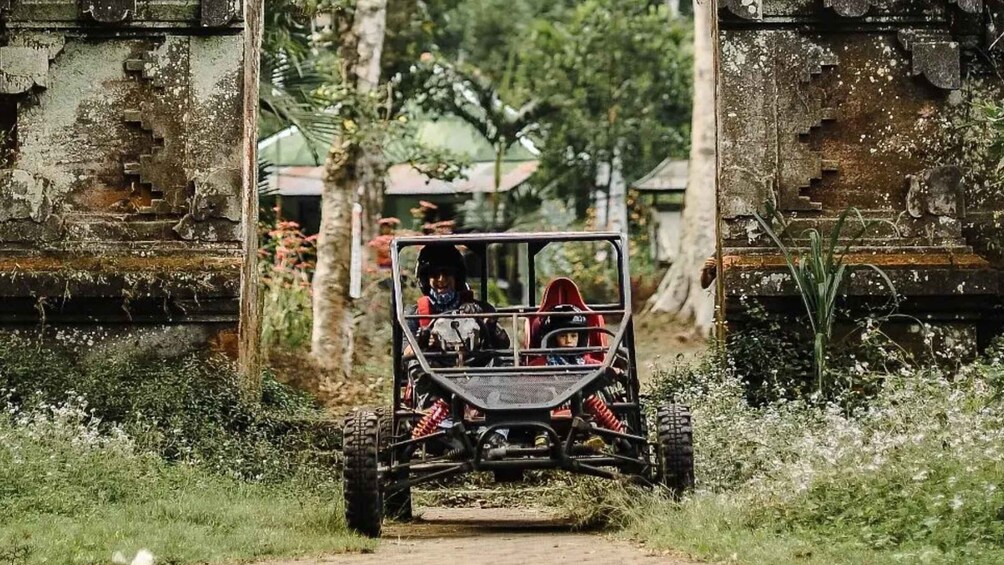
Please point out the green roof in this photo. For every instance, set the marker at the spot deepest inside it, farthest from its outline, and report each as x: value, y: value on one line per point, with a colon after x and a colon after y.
x: 291, y: 148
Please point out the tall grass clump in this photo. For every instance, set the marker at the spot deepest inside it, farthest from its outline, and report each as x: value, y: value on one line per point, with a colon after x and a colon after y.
x: 913, y: 475
x: 816, y: 264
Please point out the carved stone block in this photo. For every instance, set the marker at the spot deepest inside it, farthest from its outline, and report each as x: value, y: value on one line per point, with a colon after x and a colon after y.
x: 850, y: 12
x: 936, y: 192
x: 109, y: 11
x: 849, y: 8
x: 218, y: 13
x: 122, y: 190
x: 24, y: 62
x: 935, y: 56
x: 165, y: 71
x: 768, y: 103
x: 148, y: 15
x: 971, y: 6
x: 24, y: 197
x: 746, y: 9
x: 184, y: 110
x: 22, y: 68
x: 788, y: 112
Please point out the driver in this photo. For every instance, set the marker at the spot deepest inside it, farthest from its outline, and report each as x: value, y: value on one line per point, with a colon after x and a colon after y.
x: 442, y: 277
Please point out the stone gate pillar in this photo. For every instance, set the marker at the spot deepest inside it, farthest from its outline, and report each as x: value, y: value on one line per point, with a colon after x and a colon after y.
x: 830, y: 104
x: 127, y: 164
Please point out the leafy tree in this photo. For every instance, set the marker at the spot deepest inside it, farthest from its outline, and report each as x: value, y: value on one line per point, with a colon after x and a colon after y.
x: 291, y: 71
x: 618, y: 74
x: 469, y: 95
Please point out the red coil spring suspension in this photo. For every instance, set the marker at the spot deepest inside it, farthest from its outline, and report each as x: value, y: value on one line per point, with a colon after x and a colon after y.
x: 440, y: 410
x: 602, y: 413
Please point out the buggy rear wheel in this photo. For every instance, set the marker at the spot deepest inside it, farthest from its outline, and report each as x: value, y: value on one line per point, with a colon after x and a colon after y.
x: 676, y: 447
x: 361, y: 482
x: 397, y: 504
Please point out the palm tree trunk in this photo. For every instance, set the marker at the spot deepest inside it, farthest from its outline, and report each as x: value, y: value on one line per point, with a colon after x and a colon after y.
x: 499, y: 153
x: 680, y: 291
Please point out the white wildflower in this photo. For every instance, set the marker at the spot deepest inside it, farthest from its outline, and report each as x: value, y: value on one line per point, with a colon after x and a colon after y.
x: 956, y: 503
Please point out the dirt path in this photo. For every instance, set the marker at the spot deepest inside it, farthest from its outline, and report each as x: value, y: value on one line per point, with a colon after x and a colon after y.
x: 492, y: 536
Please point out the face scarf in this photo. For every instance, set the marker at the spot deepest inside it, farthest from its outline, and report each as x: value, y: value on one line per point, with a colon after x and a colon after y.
x: 444, y: 301
x: 553, y: 360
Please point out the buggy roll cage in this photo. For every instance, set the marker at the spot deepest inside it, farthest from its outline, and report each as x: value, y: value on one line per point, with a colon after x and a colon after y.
x: 536, y: 242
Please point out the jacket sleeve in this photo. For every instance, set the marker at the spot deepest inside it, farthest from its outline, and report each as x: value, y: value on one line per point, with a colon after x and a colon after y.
x: 499, y: 337
x: 410, y: 325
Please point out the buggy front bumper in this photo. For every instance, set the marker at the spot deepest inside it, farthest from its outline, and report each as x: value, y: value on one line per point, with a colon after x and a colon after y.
x: 561, y: 453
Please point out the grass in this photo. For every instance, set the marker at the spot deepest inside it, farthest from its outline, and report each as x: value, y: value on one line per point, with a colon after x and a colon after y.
x: 76, y: 494
x: 718, y: 528
x: 912, y: 474
x: 164, y: 455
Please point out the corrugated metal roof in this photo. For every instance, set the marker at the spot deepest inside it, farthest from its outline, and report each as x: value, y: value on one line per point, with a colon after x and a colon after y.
x: 403, y: 179
x: 290, y: 147
x: 668, y: 176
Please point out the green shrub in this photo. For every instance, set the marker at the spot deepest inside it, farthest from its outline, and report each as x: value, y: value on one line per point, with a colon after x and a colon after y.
x: 286, y: 267
x: 189, y: 409
x: 914, y: 471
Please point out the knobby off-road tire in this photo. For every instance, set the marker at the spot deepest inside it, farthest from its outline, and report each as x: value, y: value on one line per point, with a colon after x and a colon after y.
x: 676, y: 447
x: 396, y: 505
x: 363, y: 503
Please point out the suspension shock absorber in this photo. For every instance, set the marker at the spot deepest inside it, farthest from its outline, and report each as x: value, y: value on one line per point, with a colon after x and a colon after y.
x: 439, y: 412
x: 602, y: 413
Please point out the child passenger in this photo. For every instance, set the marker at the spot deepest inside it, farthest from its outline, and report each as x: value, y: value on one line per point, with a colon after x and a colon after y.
x: 567, y: 331
x: 571, y: 333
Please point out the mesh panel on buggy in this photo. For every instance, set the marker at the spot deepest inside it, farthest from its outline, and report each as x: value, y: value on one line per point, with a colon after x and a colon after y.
x: 500, y: 392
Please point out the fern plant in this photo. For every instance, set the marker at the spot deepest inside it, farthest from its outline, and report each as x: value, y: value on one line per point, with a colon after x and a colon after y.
x: 817, y: 266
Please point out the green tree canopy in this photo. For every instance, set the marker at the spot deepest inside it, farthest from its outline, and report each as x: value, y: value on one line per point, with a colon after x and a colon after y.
x: 618, y: 73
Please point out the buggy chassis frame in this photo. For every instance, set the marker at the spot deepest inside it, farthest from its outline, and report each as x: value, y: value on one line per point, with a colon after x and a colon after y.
x: 635, y: 454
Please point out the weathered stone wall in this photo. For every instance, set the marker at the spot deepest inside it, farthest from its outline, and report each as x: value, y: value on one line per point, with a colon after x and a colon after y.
x: 124, y: 171
x: 824, y: 105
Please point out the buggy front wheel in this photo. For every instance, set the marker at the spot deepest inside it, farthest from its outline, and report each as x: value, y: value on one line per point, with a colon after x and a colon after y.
x: 361, y: 482
x: 676, y: 447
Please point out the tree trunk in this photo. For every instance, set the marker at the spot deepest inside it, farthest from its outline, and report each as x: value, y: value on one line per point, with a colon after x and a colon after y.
x: 680, y: 291
x: 673, y: 8
x: 332, y: 337
x: 499, y: 153
x: 370, y: 26
x: 349, y: 165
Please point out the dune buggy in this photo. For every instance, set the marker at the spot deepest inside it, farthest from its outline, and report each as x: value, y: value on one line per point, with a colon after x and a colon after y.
x: 452, y: 395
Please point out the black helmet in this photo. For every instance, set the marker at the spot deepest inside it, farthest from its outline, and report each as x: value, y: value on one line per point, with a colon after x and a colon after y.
x: 569, y: 322
x: 440, y: 255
